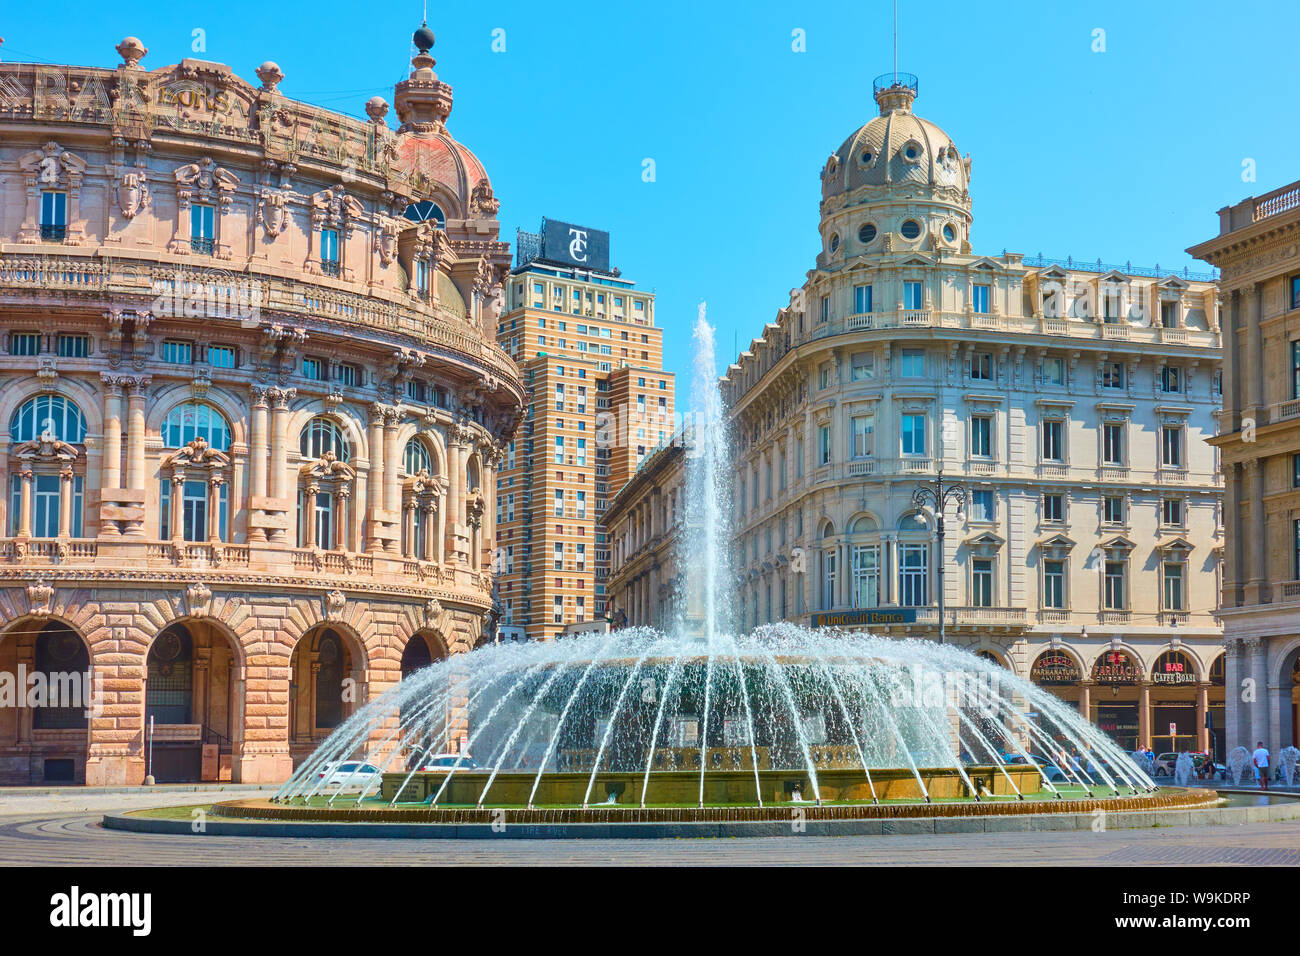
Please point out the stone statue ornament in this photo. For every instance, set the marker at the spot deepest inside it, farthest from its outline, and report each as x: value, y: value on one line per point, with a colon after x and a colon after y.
x: 386, y: 239
x: 133, y: 193
x: 272, y: 210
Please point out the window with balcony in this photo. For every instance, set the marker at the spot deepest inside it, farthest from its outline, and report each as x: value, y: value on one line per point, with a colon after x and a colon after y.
x: 980, y: 299
x: 329, y: 252
x: 1113, y: 591
x: 863, y: 428
x: 1112, y: 444
x: 912, y: 296
x: 1171, y: 446
x: 981, y: 436
x: 1173, y: 586
x: 1053, y: 431
x: 824, y: 313
x: 981, y: 579
x: 195, y: 510
x: 913, y: 433
x: 202, y: 228
x: 914, y: 575
x: 54, y: 215
x: 1054, y: 584
x: 1295, y: 369
x: 1169, y: 315
x: 866, y: 575
x: 824, y: 445
x: 862, y: 299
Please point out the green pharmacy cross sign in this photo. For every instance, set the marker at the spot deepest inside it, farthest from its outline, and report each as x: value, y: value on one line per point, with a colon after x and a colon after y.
x: 867, y: 616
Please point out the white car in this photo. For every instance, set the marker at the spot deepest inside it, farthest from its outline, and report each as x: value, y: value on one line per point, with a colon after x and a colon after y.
x: 450, y: 762
x: 350, y: 775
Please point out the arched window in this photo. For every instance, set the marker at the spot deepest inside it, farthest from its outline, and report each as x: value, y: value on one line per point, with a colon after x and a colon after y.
x: 323, y: 435
x: 169, y: 678
x: 416, y: 458
x: 329, y: 681
x: 865, y: 556
x: 60, y: 652
x: 913, y: 561
x: 425, y: 210
x: 55, y: 413
x: 192, y: 420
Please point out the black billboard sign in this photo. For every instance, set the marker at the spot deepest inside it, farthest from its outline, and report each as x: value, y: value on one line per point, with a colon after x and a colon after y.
x: 575, y: 245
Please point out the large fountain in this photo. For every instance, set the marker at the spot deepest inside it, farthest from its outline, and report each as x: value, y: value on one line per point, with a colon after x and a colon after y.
x: 646, y: 725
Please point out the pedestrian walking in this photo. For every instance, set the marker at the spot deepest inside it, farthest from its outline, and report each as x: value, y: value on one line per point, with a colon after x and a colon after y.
x: 1260, y: 759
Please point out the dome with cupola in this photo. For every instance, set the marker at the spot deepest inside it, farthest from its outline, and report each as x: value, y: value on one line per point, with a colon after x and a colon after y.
x: 897, y: 182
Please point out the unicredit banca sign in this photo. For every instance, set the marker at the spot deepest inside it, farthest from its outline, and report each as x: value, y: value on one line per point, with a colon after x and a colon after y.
x: 575, y: 245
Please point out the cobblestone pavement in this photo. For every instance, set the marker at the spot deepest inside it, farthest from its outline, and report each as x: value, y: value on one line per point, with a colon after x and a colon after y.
x: 64, y: 829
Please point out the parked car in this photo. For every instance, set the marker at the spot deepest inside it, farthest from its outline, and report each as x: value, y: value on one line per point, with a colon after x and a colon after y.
x: 1051, y: 771
x: 451, y: 762
x: 349, y: 775
x: 1166, y: 764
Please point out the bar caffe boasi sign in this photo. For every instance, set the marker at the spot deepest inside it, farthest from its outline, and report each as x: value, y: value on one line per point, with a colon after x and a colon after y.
x: 866, y: 617
x: 1173, y: 669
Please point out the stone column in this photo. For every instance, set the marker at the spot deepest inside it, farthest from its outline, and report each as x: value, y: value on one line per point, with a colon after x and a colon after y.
x: 1236, y: 715
x: 1144, y: 714
x: 111, y: 466
x: 392, y: 472
x: 65, y: 501
x: 1202, y: 709
x: 1085, y: 699
x: 309, y: 515
x: 25, y: 517
x: 1258, y: 589
x: 200, y: 691
x: 442, y: 527
x: 341, y: 498
x: 375, y: 477
x: 1255, y: 348
x: 1232, y: 569
x: 1231, y: 402
x: 279, y: 478
x: 257, y: 454
x: 409, y: 549
x: 178, y: 508
x: 452, y: 502
x: 1258, y: 648
x: 214, y: 507
x: 428, y: 530
x: 135, y: 466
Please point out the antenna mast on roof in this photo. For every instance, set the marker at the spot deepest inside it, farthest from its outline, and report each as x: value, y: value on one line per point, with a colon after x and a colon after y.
x: 895, y: 42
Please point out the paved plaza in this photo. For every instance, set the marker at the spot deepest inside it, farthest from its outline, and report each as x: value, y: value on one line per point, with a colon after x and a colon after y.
x: 63, y: 828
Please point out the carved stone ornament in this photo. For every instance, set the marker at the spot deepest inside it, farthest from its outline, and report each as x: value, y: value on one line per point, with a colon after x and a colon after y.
x: 133, y: 193
x: 197, y: 598
x: 273, y: 210
x: 40, y: 594
x: 334, y: 601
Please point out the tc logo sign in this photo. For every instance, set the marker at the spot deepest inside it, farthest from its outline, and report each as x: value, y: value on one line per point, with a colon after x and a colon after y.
x: 578, y: 245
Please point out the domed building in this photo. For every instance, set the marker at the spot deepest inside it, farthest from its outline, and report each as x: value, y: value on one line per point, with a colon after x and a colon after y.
x: 253, y: 413
x: 1069, y: 402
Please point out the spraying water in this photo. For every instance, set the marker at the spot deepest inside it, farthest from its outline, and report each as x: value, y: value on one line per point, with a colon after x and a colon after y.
x: 705, y: 545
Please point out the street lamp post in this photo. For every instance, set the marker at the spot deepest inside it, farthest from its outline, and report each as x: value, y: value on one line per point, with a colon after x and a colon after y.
x: 935, y: 496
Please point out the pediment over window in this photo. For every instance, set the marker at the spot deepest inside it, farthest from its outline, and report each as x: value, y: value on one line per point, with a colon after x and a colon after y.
x: 1055, y: 546
x: 985, y: 545
x: 1117, y: 543
x: 1178, y: 547
x: 198, y: 454
x: 328, y: 467
x: 45, y: 448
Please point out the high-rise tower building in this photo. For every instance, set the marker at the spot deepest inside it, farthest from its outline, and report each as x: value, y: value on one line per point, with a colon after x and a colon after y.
x: 598, y: 401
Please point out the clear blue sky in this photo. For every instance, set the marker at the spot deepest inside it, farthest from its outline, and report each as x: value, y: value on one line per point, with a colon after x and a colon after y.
x: 1123, y: 155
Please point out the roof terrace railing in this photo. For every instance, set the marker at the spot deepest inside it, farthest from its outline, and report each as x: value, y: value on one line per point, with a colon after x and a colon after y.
x: 1041, y: 261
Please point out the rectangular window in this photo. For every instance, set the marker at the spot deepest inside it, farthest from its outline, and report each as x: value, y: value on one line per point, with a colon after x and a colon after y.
x: 981, y: 575
x: 1114, y: 586
x: 221, y: 356
x: 559, y: 504
x: 863, y: 428
x: 74, y: 346
x: 45, y: 506
x: 1169, y: 378
x: 1053, y: 440
x: 913, y: 434
x: 313, y: 368
x: 329, y: 252
x: 830, y: 560
x: 983, y: 505
x: 912, y: 296
x: 981, y: 437
x: 1169, y: 314
x: 24, y: 343
x: 1171, y: 446
x: 559, y: 449
x: 1112, y: 375
x: 823, y: 446
x: 178, y: 353
x: 980, y: 299
x: 557, y: 557
x: 1295, y: 471
x: 54, y: 216
x: 1112, y: 444
x: 1054, y: 370
x: 913, y: 575
x: 1054, y: 584
x: 913, y: 363
x: 202, y: 231
x: 581, y: 504
x: 1173, y: 586
x: 1112, y: 511
x: 863, y: 366
x: 824, y: 376
x: 866, y: 576
x: 1295, y: 369
x: 861, y: 299
x: 557, y: 610
x: 825, y: 308
x: 981, y: 366
x: 581, y: 457
x: 1054, y: 507
x: 1171, y: 511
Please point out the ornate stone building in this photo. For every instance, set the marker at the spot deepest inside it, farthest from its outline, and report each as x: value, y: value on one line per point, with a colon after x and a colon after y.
x: 254, y: 411
x: 645, y: 522
x: 1071, y: 400
x: 1258, y: 249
